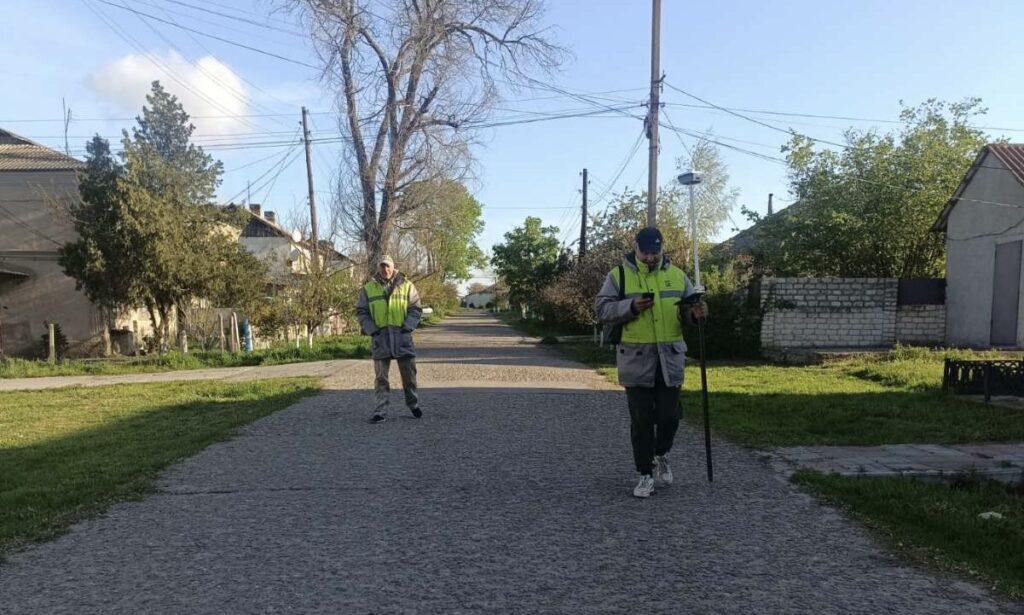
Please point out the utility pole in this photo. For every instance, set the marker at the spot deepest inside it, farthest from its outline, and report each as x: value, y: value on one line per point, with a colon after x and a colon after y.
x: 309, y: 176
x: 67, y: 122
x: 583, y: 224
x: 770, y: 195
x: 652, y: 114
x: 248, y: 193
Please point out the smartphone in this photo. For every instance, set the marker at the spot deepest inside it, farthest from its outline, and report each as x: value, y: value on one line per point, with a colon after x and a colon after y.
x: 649, y: 296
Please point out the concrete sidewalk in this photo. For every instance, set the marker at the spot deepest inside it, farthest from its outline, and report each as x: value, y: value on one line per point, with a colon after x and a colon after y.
x: 1002, y: 461
x: 511, y: 495
x: 258, y: 372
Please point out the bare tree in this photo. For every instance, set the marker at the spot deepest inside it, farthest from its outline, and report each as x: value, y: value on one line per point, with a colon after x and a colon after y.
x: 415, y: 79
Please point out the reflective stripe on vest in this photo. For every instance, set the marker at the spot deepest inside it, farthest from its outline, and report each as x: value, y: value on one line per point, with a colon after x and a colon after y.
x: 660, y: 324
x: 388, y: 313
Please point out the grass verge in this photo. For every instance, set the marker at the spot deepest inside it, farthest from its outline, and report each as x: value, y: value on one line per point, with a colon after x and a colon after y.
x: 324, y: 349
x: 937, y: 524
x: 762, y: 405
x: 767, y: 405
x: 70, y: 453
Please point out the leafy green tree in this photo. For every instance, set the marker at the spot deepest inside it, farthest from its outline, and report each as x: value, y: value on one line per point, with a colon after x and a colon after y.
x: 149, y: 233
x: 527, y: 260
x: 866, y: 210
x: 97, y: 260
x: 443, y: 225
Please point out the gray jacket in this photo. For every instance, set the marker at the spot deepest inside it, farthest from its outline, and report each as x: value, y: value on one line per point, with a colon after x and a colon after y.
x: 637, y: 362
x: 391, y: 342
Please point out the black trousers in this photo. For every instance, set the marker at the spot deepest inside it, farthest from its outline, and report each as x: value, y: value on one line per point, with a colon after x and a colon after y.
x: 653, y: 421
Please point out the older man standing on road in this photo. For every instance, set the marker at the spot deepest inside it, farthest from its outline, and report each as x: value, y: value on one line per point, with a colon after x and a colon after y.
x: 389, y: 311
x: 643, y: 296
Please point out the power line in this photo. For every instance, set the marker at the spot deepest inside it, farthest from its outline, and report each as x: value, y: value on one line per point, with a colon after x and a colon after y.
x: 853, y: 177
x: 625, y: 163
x: 236, y: 18
x: 213, y: 36
x: 846, y: 118
x: 791, y: 133
x: 267, y: 172
x: 13, y: 218
x: 133, y: 42
x: 247, y: 99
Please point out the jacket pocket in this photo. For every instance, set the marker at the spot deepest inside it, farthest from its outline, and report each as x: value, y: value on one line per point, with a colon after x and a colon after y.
x: 674, y: 356
x: 636, y: 364
x: 405, y: 343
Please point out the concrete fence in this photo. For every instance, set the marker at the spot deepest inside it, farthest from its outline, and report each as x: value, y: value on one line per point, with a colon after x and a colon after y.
x: 839, y: 313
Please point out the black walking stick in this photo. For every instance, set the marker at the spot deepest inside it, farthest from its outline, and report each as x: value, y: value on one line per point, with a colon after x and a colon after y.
x: 691, y: 301
x: 690, y: 180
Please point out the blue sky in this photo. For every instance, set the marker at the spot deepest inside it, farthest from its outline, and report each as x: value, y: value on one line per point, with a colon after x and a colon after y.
x: 856, y: 59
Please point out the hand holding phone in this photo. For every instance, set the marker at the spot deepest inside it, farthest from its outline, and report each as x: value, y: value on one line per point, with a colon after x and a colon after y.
x: 643, y: 303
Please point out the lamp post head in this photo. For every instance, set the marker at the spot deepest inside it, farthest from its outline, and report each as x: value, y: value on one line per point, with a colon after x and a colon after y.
x: 691, y: 178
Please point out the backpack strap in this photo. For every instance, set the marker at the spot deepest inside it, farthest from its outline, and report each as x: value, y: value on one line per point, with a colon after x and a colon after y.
x: 622, y: 282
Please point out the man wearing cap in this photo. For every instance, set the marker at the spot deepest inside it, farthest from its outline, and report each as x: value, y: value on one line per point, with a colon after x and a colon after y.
x: 389, y: 311
x: 643, y: 296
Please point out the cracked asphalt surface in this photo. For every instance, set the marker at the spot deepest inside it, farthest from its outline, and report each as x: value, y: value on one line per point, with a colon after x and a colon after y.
x: 511, y: 495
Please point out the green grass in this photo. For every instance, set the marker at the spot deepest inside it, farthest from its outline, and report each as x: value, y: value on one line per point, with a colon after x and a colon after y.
x: 70, y: 453
x: 909, y: 367
x: 884, y: 399
x: 936, y: 524
x: 328, y: 348
x: 766, y: 406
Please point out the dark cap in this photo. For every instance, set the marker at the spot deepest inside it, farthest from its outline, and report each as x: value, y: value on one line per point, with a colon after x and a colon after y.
x: 649, y: 240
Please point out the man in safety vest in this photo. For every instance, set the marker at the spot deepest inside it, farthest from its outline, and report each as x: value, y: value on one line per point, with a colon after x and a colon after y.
x: 389, y: 311
x: 651, y: 354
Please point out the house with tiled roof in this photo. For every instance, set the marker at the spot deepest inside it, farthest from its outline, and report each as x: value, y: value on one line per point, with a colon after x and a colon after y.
x: 36, y: 185
x: 34, y: 181
x: 984, y: 226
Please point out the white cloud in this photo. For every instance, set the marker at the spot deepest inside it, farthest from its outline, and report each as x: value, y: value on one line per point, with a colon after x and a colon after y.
x: 210, y: 88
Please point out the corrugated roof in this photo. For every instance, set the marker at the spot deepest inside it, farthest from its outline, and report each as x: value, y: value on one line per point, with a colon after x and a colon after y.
x: 1010, y: 154
x: 20, y: 154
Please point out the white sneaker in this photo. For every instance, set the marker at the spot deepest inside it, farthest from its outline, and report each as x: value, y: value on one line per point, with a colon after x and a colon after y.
x: 661, y: 469
x: 645, y: 487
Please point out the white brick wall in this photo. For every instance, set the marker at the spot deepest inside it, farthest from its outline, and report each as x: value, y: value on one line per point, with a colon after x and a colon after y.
x: 921, y: 324
x: 843, y: 313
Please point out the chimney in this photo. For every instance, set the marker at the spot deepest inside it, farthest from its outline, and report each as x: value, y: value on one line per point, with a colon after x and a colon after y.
x: 770, y: 203
x: 255, y: 209
x: 271, y: 217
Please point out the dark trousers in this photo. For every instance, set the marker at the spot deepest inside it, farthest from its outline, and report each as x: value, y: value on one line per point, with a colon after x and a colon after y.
x: 653, y: 421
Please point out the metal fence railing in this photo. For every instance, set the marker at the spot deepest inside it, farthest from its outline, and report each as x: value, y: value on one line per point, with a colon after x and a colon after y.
x: 986, y: 378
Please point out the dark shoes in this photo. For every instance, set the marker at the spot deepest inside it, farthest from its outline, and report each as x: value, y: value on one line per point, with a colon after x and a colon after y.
x: 380, y: 418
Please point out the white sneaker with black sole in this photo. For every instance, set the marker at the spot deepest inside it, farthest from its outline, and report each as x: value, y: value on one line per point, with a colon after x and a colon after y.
x: 645, y: 487
x: 662, y: 470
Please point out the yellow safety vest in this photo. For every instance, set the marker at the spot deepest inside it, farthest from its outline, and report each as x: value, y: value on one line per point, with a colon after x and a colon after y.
x: 388, y: 312
x: 660, y: 324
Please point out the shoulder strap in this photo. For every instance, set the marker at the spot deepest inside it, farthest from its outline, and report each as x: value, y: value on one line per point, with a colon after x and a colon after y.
x: 622, y: 282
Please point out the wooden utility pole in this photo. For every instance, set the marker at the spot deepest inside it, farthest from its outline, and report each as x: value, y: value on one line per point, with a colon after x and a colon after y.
x: 309, y: 177
x: 652, y: 114
x: 583, y: 224
x: 52, y: 358
x: 67, y: 122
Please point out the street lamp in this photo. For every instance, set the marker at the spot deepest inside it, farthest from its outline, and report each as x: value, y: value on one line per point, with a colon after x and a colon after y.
x: 691, y: 179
